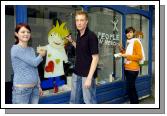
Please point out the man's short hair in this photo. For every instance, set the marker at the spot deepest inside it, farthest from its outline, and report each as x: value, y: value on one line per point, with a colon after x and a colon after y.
x: 130, y: 29
x: 82, y: 13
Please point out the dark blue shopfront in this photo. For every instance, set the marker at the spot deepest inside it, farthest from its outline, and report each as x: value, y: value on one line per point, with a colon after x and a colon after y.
x: 112, y: 92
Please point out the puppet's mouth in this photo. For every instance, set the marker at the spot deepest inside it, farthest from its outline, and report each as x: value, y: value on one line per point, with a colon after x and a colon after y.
x: 56, y: 43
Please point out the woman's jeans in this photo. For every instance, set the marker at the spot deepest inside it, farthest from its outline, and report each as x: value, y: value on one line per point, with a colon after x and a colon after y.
x: 78, y: 91
x: 25, y: 95
x: 131, y: 87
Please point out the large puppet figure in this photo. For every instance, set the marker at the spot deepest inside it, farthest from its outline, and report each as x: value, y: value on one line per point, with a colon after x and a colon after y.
x: 56, y: 55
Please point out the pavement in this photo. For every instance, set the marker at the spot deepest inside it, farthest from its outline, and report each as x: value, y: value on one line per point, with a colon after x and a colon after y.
x: 147, y: 100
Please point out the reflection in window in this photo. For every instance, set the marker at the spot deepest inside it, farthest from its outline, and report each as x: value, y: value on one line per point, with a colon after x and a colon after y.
x: 107, y: 24
x: 140, y: 23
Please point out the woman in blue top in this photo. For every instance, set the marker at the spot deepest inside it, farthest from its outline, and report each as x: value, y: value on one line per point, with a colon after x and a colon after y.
x: 26, y: 81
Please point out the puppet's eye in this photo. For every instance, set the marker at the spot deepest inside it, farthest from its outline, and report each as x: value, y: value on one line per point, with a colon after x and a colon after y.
x: 53, y: 35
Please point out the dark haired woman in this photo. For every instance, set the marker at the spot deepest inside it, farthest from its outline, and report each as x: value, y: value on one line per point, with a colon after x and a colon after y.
x: 133, y: 55
x: 26, y: 82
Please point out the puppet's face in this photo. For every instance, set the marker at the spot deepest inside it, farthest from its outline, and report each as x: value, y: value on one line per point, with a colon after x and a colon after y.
x: 55, y: 40
x: 56, y: 36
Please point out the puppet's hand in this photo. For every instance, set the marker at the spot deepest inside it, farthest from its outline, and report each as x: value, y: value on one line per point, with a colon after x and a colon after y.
x: 69, y: 38
x: 41, y: 51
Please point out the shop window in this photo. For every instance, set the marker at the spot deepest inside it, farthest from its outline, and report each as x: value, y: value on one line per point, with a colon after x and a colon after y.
x: 140, y: 23
x: 41, y: 19
x: 107, y: 24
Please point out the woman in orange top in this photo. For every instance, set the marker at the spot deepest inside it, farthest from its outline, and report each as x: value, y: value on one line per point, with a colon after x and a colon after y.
x: 132, y: 55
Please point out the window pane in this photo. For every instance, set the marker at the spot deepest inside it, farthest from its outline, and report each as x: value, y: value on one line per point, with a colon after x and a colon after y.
x: 140, y: 23
x: 107, y: 24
